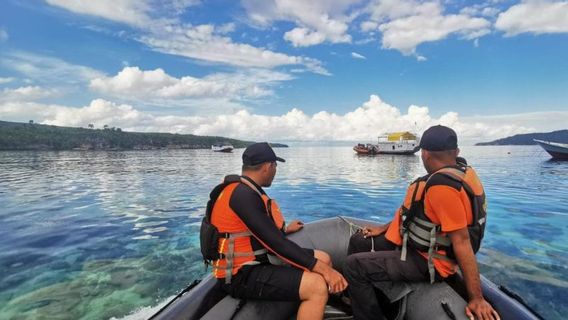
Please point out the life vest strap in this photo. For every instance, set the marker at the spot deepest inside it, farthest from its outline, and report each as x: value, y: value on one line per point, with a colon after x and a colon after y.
x: 404, y: 246
x: 424, y: 224
x: 418, y: 239
x: 432, y: 245
x: 230, y: 254
x: 240, y: 254
x: 239, y: 234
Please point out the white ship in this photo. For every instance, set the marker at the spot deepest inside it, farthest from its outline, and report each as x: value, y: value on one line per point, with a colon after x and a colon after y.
x: 398, y: 143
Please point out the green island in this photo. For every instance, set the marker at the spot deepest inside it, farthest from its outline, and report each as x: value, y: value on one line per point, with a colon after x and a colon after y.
x: 527, y: 138
x: 33, y: 136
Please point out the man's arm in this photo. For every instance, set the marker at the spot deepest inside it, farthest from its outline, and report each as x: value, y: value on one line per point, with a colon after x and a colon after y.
x: 477, y: 305
x: 251, y: 210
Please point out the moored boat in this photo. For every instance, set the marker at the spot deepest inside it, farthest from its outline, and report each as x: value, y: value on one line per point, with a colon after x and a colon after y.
x: 367, y: 149
x: 443, y: 300
x: 555, y: 149
x: 398, y: 143
x: 222, y: 147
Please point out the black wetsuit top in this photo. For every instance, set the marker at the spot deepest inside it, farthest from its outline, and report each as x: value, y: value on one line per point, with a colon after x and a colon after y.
x: 250, y: 208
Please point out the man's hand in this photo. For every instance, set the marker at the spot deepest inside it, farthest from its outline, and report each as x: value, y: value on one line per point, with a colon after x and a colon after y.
x: 335, y: 281
x: 481, y: 309
x: 374, y: 231
x: 294, y: 226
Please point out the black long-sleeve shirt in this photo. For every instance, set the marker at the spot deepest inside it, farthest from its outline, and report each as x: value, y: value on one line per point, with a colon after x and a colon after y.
x: 250, y: 208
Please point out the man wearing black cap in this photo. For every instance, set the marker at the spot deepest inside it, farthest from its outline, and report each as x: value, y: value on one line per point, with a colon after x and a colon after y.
x: 254, y: 236
x: 438, y: 227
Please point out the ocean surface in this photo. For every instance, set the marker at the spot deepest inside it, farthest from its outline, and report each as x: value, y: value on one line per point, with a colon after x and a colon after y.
x: 100, y: 235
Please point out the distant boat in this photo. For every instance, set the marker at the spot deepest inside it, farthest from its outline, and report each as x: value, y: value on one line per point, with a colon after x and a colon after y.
x: 398, y: 143
x: 367, y: 149
x: 555, y: 149
x: 225, y: 147
x: 391, y: 143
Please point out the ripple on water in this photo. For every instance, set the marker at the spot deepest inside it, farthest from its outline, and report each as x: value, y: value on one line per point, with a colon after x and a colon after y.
x: 100, y: 234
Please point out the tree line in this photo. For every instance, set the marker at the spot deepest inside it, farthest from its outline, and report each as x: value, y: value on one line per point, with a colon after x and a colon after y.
x: 33, y: 136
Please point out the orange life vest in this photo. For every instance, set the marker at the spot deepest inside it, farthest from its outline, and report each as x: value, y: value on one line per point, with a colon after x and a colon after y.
x: 418, y: 231
x: 234, y: 245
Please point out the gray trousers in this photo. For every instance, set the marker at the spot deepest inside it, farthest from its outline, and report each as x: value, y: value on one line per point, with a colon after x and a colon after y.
x: 363, y: 269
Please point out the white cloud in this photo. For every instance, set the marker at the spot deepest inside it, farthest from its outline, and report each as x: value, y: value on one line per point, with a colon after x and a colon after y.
x: 133, y: 12
x: 226, y: 28
x: 363, y: 123
x: 405, y: 24
x: 29, y: 93
x: 46, y: 69
x: 6, y: 80
x: 132, y: 82
x: 317, y: 21
x: 303, y: 37
x: 536, y: 17
x: 3, y: 35
x: 367, y: 26
x: 358, y: 55
x: 483, y: 9
x: 162, y: 31
x: 204, y: 42
x: 406, y: 33
x: 137, y: 13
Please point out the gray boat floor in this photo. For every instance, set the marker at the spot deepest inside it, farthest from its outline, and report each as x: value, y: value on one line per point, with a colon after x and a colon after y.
x: 336, y: 314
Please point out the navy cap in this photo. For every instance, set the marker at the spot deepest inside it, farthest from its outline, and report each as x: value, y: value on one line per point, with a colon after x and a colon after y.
x: 258, y: 153
x: 439, y: 138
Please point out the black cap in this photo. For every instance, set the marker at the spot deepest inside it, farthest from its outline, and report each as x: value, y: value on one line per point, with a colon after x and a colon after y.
x: 258, y: 153
x: 439, y: 138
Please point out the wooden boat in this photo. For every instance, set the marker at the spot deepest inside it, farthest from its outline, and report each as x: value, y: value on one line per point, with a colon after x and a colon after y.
x: 420, y: 301
x: 222, y: 148
x: 555, y: 149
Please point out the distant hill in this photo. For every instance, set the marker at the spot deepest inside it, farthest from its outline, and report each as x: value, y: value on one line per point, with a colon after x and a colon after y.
x: 29, y: 136
x: 527, y: 139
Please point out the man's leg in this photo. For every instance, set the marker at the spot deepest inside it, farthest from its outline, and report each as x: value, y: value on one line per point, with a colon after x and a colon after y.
x: 363, y: 269
x: 282, y: 283
x: 323, y: 257
x: 313, y: 294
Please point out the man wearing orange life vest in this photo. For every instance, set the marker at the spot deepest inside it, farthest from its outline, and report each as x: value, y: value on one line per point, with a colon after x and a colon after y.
x: 438, y: 228
x: 253, y: 233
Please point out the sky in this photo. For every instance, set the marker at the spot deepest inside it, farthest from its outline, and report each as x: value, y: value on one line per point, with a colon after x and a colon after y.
x: 287, y: 70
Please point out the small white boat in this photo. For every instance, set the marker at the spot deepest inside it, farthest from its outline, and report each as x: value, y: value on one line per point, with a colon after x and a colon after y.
x: 222, y: 148
x: 398, y: 143
x: 555, y: 149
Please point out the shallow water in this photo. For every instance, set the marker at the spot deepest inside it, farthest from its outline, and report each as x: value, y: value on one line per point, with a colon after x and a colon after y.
x: 95, y: 235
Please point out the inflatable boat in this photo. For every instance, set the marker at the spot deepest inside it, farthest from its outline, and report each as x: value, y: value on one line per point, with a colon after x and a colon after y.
x: 444, y: 300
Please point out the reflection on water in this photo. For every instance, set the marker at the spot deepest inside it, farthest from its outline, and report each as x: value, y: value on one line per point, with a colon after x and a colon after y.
x: 96, y: 235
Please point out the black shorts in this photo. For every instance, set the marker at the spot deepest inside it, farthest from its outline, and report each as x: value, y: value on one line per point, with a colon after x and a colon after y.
x: 266, y: 282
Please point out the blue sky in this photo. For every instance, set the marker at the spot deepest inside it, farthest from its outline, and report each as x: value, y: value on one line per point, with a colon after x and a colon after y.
x: 287, y: 69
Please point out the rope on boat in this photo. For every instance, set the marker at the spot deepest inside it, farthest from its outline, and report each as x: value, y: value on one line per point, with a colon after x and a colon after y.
x: 353, y: 227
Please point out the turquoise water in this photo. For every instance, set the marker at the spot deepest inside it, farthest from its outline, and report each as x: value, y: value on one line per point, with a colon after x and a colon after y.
x: 96, y: 235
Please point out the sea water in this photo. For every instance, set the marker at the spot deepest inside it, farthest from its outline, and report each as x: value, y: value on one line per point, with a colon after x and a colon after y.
x: 97, y: 235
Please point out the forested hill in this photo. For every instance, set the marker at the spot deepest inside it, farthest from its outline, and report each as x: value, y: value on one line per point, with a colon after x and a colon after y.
x: 30, y: 136
x: 526, y: 139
